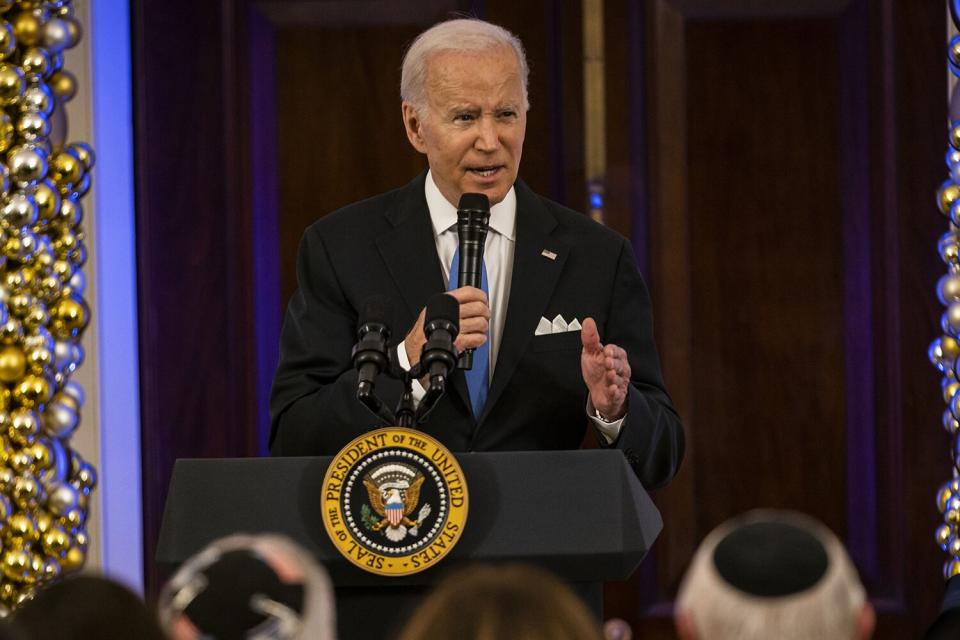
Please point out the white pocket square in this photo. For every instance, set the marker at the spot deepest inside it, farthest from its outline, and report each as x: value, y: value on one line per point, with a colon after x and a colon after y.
x: 557, y: 325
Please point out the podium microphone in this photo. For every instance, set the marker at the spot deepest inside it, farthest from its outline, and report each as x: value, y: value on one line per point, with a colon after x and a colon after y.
x: 473, y: 220
x: 441, y: 326
x: 370, y: 353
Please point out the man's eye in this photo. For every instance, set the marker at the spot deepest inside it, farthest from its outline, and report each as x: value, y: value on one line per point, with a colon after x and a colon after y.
x: 508, y: 114
x: 463, y: 117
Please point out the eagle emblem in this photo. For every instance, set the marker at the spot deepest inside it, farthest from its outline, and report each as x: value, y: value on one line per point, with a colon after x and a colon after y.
x: 394, y: 493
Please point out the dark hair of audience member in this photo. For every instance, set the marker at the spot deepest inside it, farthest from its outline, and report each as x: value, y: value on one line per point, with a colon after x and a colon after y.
x: 85, y: 607
x: 507, y: 601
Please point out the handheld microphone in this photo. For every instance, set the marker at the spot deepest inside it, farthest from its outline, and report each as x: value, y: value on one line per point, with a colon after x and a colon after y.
x: 370, y: 353
x: 473, y: 220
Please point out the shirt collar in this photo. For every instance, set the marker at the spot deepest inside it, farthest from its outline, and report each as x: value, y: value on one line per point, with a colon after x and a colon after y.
x: 443, y: 215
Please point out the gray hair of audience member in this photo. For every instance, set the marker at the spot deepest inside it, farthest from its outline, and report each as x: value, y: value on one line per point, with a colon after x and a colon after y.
x: 791, y: 598
x: 490, y: 602
x: 292, y: 564
x: 463, y: 35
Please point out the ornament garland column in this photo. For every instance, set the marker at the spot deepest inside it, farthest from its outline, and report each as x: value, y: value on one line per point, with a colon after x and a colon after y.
x: 44, y: 484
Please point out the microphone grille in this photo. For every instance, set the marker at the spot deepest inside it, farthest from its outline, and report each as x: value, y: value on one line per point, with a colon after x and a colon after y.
x: 474, y: 202
x: 376, y: 309
x: 442, y: 306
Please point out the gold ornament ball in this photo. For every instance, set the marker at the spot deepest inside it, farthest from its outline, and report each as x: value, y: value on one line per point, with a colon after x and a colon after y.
x: 20, y: 530
x: 33, y: 125
x: 943, y: 535
x: 63, y: 269
x: 949, y: 247
x: 8, y: 41
x: 38, y: 97
x: 68, y: 318
x: 13, y: 364
x: 73, y: 560
x: 49, y: 288
x: 28, y: 492
x: 21, y: 461
x: 7, y: 133
x: 86, y: 477
x: 32, y: 391
x: 56, y: 542
x: 12, y: 84
x: 40, y: 360
x: 35, y: 63
x: 24, y: 427
x: 85, y: 152
x: 66, y: 168
x: 948, y: 289
x: 42, y: 456
x: 943, y: 497
x: 36, y: 318
x: 69, y: 215
x: 955, y: 137
x: 952, y: 517
x: 948, y: 194
x: 17, y: 566
x: 45, y: 522
x: 11, y: 332
x: 950, y: 348
x: 72, y: 520
x: 20, y: 304
x: 7, y: 476
x: 949, y: 391
x: 26, y: 28
x: 47, y: 198
x: 64, y: 85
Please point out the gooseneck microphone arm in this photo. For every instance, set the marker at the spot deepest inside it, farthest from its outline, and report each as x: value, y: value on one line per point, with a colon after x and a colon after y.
x: 473, y: 220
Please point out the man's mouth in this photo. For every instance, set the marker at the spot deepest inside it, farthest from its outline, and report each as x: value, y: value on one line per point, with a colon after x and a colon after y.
x: 484, y: 172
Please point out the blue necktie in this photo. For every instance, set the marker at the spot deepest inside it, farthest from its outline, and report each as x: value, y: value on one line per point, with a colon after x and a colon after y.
x: 478, y: 376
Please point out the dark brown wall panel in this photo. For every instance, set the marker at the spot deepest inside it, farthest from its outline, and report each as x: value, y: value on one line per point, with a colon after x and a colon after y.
x: 340, y: 135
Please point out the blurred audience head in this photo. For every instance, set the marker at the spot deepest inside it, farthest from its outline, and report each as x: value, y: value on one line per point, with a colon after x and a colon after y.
x: 772, y: 574
x: 249, y: 587
x: 505, y: 601
x: 84, y: 608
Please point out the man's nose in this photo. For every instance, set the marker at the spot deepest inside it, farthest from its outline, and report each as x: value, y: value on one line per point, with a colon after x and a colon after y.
x: 488, y: 138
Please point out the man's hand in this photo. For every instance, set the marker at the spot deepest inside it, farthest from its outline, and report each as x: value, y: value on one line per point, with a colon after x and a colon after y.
x: 474, y: 321
x: 606, y: 372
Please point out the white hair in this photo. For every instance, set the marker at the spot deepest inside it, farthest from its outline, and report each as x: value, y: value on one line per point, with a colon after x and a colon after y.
x: 463, y: 35
x: 318, y: 620
x: 827, y: 610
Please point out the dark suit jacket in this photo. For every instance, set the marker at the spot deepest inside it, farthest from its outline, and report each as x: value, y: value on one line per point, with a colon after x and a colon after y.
x: 385, y: 245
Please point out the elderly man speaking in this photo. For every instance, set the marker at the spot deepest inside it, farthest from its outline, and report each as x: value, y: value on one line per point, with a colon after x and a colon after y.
x: 561, y: 325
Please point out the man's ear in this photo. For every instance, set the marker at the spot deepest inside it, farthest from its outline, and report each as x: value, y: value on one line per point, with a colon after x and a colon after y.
x: 414, y: 126
x: 866, y: 621
x: 686, y: 629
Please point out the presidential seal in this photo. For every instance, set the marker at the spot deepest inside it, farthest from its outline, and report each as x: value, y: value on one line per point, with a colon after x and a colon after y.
x: 394, y: 501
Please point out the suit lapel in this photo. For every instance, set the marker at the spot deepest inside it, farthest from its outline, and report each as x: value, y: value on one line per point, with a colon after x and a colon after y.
x: 534, y: 278
x: 410, y: 253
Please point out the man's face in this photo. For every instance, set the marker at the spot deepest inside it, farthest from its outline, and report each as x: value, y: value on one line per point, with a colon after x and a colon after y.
x: 473, y: 124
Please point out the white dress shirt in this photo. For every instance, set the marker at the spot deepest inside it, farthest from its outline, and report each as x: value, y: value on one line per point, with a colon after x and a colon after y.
x: 498, y: 257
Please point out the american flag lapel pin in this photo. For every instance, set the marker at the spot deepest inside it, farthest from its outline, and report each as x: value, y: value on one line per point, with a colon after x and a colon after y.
x: 546, y: 253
